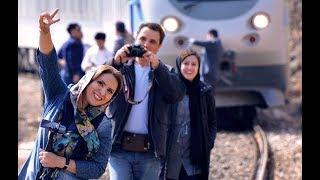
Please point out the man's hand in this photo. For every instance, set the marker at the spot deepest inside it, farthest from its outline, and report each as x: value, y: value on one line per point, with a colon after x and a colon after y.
x: 45, y: 21
x: 151, y: 59
x: 121, y: 54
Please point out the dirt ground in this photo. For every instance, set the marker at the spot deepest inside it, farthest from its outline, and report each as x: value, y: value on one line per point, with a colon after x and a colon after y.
x: 29, y: 106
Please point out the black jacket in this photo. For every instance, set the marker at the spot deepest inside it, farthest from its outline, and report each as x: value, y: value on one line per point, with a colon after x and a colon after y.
x: 212, y: 59
x: 167, y: 89
x: 209, y: 124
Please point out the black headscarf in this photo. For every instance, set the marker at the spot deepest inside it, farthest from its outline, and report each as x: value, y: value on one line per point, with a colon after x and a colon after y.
x: 197, y: 138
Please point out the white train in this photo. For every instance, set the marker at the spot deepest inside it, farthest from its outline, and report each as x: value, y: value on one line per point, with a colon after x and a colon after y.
x: 256, y: 31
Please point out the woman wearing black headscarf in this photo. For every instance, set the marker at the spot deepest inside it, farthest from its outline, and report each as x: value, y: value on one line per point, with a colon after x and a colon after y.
x: 193, y: 128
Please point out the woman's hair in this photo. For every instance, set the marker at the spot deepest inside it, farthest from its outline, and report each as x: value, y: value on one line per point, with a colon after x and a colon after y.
x: 188, y: 52
x: 109, y: 69
x: 182, y: 56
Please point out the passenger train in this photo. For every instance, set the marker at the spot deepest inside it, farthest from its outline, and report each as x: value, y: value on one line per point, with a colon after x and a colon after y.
x: 254, y: 34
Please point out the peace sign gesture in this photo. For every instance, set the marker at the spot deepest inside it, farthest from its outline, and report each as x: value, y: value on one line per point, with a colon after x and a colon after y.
x: 45, y: 20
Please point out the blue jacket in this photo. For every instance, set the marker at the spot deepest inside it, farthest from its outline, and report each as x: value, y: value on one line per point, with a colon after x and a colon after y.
x: 56, y: 97
x: 167, y: 88
x: 73, y: 52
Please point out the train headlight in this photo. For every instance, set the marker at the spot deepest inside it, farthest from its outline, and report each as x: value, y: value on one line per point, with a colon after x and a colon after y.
x: 170, y: 23
x: 260, y: 20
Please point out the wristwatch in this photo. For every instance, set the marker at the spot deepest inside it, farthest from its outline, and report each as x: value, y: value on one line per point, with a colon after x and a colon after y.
x: 66, y: 165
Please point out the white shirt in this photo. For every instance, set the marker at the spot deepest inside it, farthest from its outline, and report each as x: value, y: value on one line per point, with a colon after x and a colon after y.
x: 138, y: 117
x: 96, y: 56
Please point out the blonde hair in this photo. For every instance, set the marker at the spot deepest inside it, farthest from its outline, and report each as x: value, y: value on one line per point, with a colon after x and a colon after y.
x: 188, y: 52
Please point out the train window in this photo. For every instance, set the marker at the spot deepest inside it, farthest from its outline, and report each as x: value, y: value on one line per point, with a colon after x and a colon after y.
x: 213, y: 9
x: 207, y: 0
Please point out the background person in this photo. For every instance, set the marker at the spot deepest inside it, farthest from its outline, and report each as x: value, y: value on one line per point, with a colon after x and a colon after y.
x: 123, y: 36
x: 71, y: 54
x: 98, y: 54
x: 213, y: 48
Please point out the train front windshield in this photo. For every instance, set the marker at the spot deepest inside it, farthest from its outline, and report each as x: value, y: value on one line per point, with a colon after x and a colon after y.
x: 213, y: 9
x: 206, y: 0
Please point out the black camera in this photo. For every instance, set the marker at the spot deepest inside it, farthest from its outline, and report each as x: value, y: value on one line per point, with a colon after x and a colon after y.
x: 53, y: 126
x: 136, y: 50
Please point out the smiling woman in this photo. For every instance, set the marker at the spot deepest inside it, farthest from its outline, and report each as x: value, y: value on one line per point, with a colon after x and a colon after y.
x: 74, y: 138
x: 193, y: 129
x: 190, y: 64
x: 102, y: 88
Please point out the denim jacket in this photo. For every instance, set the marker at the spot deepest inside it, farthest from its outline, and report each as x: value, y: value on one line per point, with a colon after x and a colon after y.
x: 56, y: 93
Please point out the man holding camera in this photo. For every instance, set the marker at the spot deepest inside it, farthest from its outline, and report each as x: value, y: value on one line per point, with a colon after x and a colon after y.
x: 140, y: 111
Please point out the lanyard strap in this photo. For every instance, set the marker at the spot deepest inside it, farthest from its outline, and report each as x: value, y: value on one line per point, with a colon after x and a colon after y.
x: 127, y: 89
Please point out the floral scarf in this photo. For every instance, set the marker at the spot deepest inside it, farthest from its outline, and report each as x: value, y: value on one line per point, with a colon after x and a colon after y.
x: 65, y: 144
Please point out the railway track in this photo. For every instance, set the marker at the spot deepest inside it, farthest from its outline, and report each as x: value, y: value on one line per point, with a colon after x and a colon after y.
x: 260, y: 172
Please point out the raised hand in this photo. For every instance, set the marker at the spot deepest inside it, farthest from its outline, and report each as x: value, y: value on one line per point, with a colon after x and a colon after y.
x: 46, y: 19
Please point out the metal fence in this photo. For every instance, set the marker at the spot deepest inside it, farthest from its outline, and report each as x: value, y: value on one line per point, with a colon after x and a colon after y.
x: 27, y: 60
x: 94, y: 12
